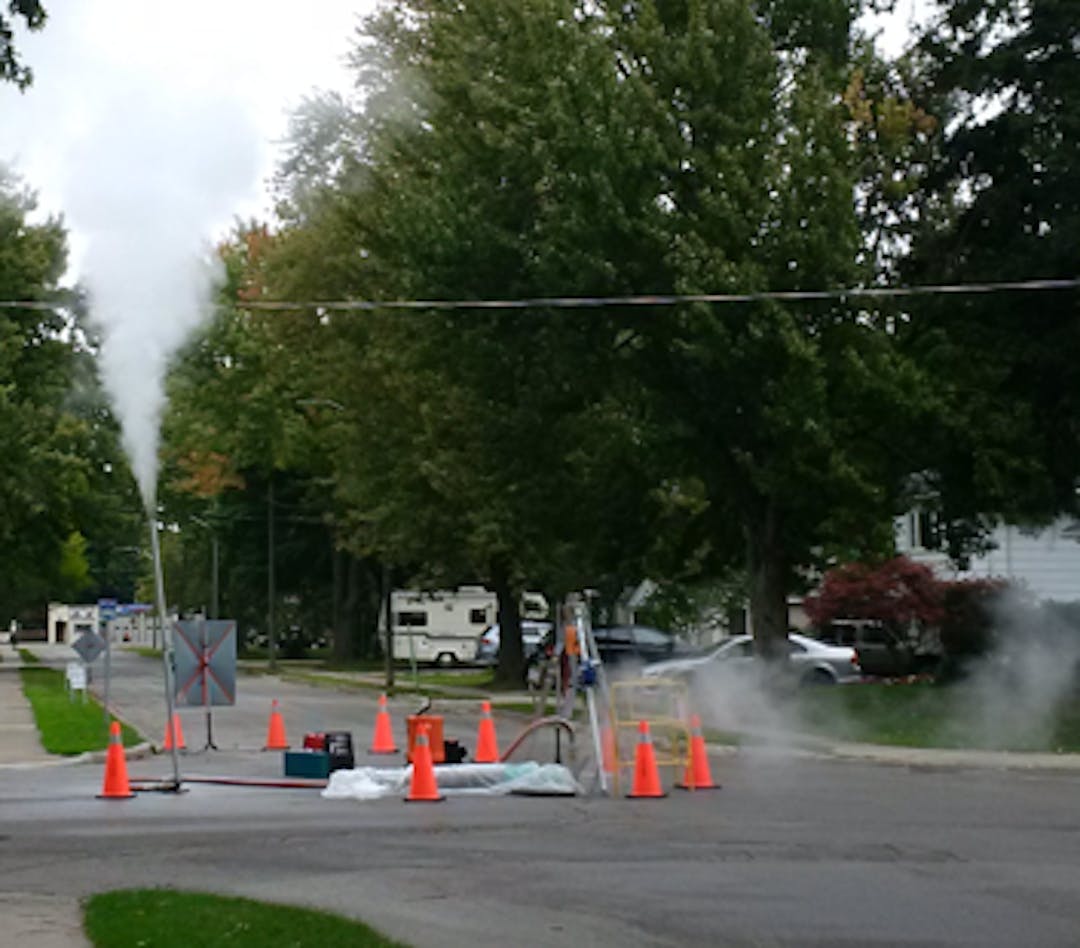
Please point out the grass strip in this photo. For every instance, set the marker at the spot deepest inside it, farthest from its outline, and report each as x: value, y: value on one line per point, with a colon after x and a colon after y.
x: 927, y: 714
x: 68, y: 723
x: 166, y: 918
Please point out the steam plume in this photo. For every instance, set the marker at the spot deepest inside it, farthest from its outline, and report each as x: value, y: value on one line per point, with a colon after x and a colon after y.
x: 154, y: 176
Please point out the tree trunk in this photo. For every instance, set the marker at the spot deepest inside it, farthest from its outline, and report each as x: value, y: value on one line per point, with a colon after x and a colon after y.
x: 768, y: 573
x: 351, y: 605
x: 385, y: 588
x: 511, y: 667
x: 367, y: 641
x: 341, y: 638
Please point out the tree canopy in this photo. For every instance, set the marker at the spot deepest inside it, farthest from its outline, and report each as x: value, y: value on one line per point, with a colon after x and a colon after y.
x: 553, y: 148
x: 560, y: 149
x: 12, y: 68
x: 1001, y: 202
x: 59, y: 444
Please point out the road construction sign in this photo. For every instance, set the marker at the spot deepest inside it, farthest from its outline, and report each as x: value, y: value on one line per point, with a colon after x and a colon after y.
x: 205, y: 662
x: 89, y: 645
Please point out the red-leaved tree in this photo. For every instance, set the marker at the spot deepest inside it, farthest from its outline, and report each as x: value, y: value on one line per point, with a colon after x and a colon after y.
x: 897, y: 593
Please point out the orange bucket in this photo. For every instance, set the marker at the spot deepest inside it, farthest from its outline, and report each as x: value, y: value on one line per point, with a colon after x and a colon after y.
x: 435, y: 735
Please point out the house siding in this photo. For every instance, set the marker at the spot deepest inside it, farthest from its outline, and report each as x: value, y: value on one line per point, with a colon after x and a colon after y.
x: 1046, y: 561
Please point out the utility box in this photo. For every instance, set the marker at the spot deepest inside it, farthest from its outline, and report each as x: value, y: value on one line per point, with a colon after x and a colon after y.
x: 339, y: 748
x: 313, y: 764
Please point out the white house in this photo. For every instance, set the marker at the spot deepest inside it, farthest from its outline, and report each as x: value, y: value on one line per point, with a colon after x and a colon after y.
x: 132, y: 623
x: 66, y: 622
x: 1045, y: 560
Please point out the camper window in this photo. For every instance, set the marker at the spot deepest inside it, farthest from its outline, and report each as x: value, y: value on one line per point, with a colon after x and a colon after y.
x: 478, y: 616
x: 412, y: 618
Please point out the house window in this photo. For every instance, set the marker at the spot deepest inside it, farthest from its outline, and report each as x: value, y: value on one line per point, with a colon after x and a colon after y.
x: 926, y: 531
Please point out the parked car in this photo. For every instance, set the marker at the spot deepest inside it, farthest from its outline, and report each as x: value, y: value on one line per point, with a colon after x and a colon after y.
x: 641, y: 643
x: 882, y: 651
x: 809, y: 661
x: 532, y: 636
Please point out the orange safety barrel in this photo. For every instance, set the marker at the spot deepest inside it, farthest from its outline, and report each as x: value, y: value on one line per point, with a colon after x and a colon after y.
x: 434, y: 724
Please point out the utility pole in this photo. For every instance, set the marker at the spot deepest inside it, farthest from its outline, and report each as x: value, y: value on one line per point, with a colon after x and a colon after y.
x: 214, y: 561
x: 271, y: 634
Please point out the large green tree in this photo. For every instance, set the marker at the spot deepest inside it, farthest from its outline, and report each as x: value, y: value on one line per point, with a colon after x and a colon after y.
x: 42, y: 470
x: 549, y: 148
x: 471, y: 456
x: 784, y: 416
x: 246, y: 477
x: 1002, y: 203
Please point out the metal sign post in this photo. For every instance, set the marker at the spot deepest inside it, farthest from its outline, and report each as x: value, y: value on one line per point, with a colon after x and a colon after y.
x: 167, y: 655
x: 106, y: 613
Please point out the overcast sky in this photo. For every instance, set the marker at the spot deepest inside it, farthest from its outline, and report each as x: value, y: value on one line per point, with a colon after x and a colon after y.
x: 223, y: 73
x: 228, y: 70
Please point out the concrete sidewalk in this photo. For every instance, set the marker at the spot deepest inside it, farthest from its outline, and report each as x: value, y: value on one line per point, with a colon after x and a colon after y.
x: 32, y: 920
x: 19, y: 741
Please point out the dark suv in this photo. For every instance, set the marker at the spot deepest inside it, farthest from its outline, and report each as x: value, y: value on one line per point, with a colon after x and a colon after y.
x: 640, y: 643
x: 882, y: 652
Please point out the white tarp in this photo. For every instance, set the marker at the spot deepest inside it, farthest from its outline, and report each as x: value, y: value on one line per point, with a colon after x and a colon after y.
x: 371, y: 783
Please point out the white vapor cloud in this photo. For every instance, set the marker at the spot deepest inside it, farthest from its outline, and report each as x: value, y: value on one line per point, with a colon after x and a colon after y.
x: 150, y: 127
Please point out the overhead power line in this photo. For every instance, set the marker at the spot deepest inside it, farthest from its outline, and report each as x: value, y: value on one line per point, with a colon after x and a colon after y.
x: 596, y: 302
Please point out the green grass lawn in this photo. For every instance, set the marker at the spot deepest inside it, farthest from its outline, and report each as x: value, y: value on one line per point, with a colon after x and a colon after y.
x: 164, y: 918
x: 68, y: 724
x: 927, y: 714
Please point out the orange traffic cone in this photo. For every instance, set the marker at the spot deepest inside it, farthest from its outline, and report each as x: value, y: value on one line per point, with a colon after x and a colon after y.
x: 174, y: 732
x: 116, y: 786
x: 384, y: 737
x: 275, y: 734
x: 487, y: 747
x: 646, y: 774
x: 607, y: 749
x: 422, y: 787
x: 698, y: 776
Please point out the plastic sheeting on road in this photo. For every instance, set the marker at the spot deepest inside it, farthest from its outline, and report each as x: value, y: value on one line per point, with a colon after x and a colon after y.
x: 526, y: 778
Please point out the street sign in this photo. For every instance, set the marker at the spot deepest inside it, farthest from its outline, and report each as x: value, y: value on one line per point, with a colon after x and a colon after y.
x: 89, y: 645
x: 76, y: 676
x: 205, y: 654
x: 107, y: 609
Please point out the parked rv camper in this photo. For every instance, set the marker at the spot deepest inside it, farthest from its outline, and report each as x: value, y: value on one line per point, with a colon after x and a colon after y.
x: 442, y: 626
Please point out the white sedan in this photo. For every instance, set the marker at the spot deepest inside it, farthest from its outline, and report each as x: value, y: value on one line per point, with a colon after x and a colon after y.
x: 812, y: 662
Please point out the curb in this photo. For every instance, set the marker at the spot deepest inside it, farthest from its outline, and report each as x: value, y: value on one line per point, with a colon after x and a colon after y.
x: 137, y: 752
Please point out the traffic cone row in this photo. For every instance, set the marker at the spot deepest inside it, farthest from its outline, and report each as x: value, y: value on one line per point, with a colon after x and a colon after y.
x: 646, y: 773
x: 174, y: 734
x: 116, y: 785
x: 383, y: 742
x: 423, y: 788
x: 487, y: 747
x: 275, y: 733
x: 698, y: 776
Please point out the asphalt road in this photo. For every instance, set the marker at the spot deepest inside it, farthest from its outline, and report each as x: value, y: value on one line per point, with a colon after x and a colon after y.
x: 794, y: 850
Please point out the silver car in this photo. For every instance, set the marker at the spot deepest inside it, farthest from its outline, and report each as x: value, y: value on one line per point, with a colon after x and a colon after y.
x: 811, y: 662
